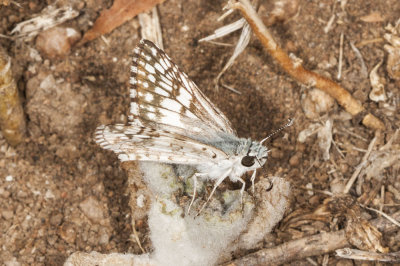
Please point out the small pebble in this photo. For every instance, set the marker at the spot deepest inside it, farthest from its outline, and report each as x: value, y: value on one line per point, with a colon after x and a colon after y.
x: 12, y: 262
x: 92, y: 209
x: 316, y: 102
x: 7, y: 214
x: 295, y: 159
x: 67, y: 233
x: 56, y: 219
x: 57, y: 41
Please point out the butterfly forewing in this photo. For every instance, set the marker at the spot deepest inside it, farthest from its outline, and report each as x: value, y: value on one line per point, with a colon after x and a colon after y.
x: 164, y: 97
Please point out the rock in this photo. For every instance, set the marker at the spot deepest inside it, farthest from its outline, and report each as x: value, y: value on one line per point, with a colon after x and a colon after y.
x: 57, y: 41
x: 316, y: 102
x: 92, y: 209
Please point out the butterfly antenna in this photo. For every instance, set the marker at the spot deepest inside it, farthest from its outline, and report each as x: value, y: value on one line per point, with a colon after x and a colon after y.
x: 288, y: 124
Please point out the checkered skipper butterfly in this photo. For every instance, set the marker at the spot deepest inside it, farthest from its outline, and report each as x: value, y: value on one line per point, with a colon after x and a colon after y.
x: 172, y: 121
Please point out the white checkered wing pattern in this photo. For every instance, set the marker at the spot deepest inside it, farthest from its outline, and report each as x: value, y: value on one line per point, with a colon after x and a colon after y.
x: 170, y: 118
x: 163, y: 96
x: 149, y: 144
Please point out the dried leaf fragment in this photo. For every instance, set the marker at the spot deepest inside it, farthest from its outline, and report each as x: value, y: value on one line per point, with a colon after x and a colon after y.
x: 324, y: 136
x: 120, y: 12
x: 49, y: 17
x: 364, y: 235
x: 373, y: 17
x: 377, y: 93
x: 355, y: 254
x: 393, y: 49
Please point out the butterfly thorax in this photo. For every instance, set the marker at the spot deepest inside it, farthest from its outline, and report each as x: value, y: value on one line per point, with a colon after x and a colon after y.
x: 236, y: 149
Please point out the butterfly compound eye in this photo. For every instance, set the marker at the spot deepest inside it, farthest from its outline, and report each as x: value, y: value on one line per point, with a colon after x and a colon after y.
x: 248, y: 161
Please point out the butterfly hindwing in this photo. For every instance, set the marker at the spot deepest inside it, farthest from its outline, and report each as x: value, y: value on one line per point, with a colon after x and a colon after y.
x: 135, y: 142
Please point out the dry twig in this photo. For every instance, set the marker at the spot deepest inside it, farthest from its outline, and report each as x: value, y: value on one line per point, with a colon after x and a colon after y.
x: 307, y: 246
x: 355, y: 254
x: 295, y: 250
x: 298, y: 72
x: 360, y: 166
x: 150, y: 27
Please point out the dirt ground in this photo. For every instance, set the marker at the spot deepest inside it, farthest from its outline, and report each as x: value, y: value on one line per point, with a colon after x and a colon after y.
x: 61, y: 193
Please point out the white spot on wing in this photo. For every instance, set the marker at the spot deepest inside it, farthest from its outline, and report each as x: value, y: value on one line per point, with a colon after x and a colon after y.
x: 167, y: 61
x: 163, y: 64
x: 171, y: 118
x: 141, y: 72
x: 134, y: 108
x: 184, y: 97
x: 151, y: 116
x: 167, y: 80
x: 132, y: 93
x: 159, y: 68
x: 165, y: 86
x: 171, y: 105
x: 150, y: 68
x: 148, y: 97
x: 190, y: 114
x: 160, y: 91
x: 151, y: 78
x: 153, y: 51
x: 185, y: 81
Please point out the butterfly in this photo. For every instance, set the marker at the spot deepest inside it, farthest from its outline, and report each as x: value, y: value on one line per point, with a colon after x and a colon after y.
x: 171, y: 121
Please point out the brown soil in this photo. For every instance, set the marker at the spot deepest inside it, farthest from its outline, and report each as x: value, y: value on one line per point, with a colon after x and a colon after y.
x: 46, y: 182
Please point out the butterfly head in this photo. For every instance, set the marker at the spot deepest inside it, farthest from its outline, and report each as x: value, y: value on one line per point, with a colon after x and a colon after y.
x: 255, y: 157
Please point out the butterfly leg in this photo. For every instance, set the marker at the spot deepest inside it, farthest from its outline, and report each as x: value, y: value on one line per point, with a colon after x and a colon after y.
x: 217, y: 183
x: 253, y: 177
x: 194, y: 189
x: 241, y: 191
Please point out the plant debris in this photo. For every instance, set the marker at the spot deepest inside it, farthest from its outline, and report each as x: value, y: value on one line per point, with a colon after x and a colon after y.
x: 120, y: 12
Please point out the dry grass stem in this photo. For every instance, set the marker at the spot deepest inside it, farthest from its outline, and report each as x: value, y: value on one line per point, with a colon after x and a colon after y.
x: 355, y: 254
x: 391, y: 219
x: 364, y: 71
x: 136, y: 236
x: 150, y: 27
x: 360, y: 166
x: 340, y: 64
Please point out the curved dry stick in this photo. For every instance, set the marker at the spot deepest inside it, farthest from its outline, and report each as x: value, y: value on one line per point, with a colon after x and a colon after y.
x: 298, y: 72
x: 295, y: 250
